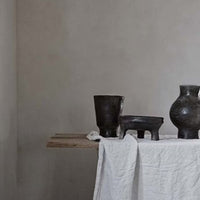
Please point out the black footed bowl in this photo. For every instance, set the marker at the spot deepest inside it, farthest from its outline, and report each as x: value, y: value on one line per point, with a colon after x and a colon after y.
x: 141, y: 124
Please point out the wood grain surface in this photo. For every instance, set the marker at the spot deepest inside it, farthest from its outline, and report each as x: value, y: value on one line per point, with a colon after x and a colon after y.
x: 71, y: 140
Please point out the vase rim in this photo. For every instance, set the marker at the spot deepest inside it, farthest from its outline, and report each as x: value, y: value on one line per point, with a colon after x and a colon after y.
x: 108, y: 95
x: 190, y: 86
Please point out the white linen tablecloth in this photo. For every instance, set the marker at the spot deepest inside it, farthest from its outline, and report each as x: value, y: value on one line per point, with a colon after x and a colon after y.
x: 168, y: 169
x: 116, y: 169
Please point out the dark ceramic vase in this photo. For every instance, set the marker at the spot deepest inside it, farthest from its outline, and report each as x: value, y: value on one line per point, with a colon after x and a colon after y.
x: 108, y: 109
x: 185, y: 112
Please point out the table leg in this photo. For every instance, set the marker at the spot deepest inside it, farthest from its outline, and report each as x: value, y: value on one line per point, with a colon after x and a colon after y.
x: 140, y: 134
x: 154, y: 135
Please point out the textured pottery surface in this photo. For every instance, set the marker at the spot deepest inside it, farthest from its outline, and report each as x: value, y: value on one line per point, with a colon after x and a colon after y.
x: 185, y: 112
x: 141, y: 124
x: 108, y: 110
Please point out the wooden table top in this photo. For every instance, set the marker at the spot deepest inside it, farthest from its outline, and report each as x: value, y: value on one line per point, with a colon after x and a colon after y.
x: 71, y: 140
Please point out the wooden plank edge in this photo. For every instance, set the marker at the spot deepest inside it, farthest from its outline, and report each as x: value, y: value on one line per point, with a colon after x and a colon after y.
x: 62, y: 145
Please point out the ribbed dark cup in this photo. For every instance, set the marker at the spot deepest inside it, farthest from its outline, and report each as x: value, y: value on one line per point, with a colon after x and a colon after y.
x: 108, y: 109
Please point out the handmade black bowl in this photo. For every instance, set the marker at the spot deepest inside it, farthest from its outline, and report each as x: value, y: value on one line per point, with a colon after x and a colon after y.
x: 141, y: 124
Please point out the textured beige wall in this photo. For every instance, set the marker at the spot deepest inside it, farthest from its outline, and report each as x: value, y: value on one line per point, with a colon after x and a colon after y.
x: 72, y: 49
x: 8, y: 135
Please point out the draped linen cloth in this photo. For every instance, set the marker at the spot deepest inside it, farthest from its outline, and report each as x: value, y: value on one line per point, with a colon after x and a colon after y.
x: 116, y: 169
x: 129, y: 169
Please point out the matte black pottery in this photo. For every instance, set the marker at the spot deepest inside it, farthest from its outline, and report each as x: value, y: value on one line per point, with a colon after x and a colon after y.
x: 141, y: 124
x: 185, y: 112
x: 108, y: 109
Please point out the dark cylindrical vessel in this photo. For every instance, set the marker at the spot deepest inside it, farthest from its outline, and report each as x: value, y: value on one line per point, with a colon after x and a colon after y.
x: 108, y: 109
x: 185, y: 112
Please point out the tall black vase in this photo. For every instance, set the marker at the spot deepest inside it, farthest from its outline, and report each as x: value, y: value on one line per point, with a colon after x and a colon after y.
x: 185, y: 112
x: 108, y: 109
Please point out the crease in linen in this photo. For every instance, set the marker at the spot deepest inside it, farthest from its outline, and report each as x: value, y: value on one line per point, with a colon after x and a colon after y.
x: 116, y: 169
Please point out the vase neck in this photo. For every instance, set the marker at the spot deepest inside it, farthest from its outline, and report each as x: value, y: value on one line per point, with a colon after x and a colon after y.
x: 189, y: 90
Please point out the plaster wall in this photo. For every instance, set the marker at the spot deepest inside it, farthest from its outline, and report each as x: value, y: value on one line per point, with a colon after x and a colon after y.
x: 8, y: 101
x: 69, y: 50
